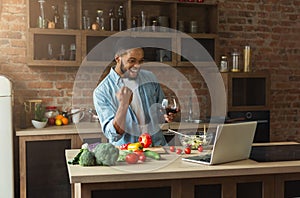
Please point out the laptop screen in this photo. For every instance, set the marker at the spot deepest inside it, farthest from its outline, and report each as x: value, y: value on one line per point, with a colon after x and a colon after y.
x: 232, y: 142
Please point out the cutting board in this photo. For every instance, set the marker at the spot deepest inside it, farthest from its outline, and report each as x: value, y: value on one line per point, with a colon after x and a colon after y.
x: 158, y: 149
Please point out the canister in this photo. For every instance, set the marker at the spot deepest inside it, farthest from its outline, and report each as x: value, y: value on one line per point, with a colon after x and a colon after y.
x: 247, y: 58
x: 224, y: 64
x: 235, y: 61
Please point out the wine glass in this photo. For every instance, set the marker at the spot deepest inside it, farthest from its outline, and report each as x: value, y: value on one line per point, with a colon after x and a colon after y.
x: 170, y: 105
x: 50, y: 51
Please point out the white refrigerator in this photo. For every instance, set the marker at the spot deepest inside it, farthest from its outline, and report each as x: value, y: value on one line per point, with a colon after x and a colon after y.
x: 6, y: 139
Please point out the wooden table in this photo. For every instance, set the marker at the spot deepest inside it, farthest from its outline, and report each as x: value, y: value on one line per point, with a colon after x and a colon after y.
x: 182, y: 177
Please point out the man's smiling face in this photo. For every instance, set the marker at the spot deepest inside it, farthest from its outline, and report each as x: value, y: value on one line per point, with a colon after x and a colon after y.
x: 129, y: 64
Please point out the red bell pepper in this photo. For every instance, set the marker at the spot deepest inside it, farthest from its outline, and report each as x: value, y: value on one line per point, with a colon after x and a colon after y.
x: 124, y: 146
x: 145, y: 139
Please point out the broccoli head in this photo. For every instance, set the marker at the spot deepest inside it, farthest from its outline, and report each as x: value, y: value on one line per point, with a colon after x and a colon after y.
x: 106, y: 154
x: 87, y: 158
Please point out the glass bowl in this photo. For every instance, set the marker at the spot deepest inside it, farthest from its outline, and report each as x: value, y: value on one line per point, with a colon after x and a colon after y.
x: 194, y: 141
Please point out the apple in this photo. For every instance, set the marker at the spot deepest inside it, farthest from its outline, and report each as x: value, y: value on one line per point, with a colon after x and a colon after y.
x: 51, y: 121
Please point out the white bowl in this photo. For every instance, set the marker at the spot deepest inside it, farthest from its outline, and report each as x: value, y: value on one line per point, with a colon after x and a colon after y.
x: 38, y: 124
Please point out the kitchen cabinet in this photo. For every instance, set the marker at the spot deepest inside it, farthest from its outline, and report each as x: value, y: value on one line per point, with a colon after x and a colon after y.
x: 248, y: 99
x: 240, y: 179
x: 247, y: 90
x: 290, y: 183
x: 41, y: 40
x: 53, y: 47
x: 42, y: 167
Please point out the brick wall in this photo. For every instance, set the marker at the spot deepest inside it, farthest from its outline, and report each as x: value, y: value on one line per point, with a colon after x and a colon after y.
x: 271, y: 27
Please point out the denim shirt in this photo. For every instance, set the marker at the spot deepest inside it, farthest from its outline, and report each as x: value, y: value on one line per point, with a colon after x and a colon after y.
x: 106, y: 105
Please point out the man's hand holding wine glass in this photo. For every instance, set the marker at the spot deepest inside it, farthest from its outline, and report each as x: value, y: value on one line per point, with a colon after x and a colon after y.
x: 171, y: 108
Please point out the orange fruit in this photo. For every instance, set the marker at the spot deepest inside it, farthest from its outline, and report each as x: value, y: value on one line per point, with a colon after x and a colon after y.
x: 65, y: 120
x: 59, y: 117
x: 58, y: 122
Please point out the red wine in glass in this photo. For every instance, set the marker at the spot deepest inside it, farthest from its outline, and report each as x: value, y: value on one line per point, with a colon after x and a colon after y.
x: 170, y: 105
x: 170, y: 110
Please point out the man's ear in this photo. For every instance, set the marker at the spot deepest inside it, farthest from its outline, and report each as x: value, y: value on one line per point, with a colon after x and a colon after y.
x: 117, y: 59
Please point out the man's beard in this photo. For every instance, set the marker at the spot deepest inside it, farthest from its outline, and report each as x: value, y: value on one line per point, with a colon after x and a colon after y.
x: 123, y: 70
x: 126, y: 72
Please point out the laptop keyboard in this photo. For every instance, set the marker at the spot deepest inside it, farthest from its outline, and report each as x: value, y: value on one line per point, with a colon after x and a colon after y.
x: 205, y: 158
x: 201, y: 158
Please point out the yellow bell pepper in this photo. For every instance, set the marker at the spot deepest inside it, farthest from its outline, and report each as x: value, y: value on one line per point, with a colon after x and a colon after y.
x: 135, y: 147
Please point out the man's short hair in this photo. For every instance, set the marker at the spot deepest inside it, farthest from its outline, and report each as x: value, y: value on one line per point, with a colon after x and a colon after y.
x: 124, y: 44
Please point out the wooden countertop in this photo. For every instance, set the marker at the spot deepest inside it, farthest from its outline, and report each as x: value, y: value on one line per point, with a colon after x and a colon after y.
x: 94, y: 127
x: 82, y: 127
x: 172, y: 167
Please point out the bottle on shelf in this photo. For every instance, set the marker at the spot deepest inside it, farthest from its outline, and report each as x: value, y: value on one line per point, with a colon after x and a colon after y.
x: 66, y: 16
x: 154, y: 25
x: 190, y: 110
x: 86, y: 20
x: 134, y: 23
x: 41, y: 19
x: 50, y: 51
x: 121, y: 19
x: 72, y: 52
x: 56, y: 17
x: 112, y: 20
x: 100, y: 19
x: 144, y: 20
x: 62, y: 52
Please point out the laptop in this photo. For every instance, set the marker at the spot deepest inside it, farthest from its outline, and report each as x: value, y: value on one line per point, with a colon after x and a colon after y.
x: 233, y: 142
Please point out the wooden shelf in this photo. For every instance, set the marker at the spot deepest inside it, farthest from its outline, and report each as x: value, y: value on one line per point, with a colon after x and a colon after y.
x: 39, y: 41
x: 247, y: 91
x: 86, y: 40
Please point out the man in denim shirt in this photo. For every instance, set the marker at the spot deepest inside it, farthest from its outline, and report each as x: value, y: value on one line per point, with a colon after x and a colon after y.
x: 128, y: 100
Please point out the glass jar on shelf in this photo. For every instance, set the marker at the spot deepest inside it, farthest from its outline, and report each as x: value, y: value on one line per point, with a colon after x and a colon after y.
x: 224, y: 64
x: 51, y: 112
x: 235, y: 61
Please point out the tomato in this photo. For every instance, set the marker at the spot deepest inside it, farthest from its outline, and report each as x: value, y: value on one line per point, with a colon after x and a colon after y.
x: 200, y: 148
x: 178, y: 151
x: 140, y: 155
x: 172, y: 148
x: 187, y: 150
x: 132, y: 158
x: 142, y: 158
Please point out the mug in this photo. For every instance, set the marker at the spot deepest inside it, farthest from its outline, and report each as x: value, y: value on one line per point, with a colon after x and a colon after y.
x: 77, y: 116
